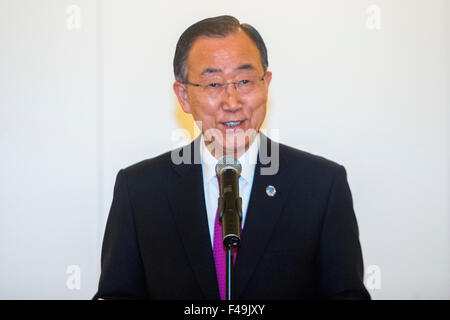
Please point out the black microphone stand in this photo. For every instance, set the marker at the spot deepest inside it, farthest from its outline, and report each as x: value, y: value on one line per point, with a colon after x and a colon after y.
x: 230, y: 214
x: 229, y: 273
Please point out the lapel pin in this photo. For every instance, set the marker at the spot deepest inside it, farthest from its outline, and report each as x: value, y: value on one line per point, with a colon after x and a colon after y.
x: 271, y: 191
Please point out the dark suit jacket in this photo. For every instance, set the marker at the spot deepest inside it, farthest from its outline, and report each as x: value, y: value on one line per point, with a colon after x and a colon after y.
x: 300, y: 244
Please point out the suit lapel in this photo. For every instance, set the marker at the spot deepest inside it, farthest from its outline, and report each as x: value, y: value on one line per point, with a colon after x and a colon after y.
x: 261, y: 218
x: 188, y: 203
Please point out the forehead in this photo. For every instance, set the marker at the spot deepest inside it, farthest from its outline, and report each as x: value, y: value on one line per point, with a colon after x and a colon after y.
x: 225, y: 53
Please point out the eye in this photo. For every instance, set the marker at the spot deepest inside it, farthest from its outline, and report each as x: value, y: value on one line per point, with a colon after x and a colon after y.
x: 243, y: 82
x: 214, y: 85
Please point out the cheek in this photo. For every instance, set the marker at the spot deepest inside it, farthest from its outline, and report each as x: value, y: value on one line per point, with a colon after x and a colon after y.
x: 256, y: 107
x: 202, y: 108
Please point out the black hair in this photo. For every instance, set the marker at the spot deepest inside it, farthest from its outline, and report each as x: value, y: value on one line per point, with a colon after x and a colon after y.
x: 220, y: 26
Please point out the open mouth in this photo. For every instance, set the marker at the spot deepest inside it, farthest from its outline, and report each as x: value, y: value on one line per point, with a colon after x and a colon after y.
x: 232, y: 124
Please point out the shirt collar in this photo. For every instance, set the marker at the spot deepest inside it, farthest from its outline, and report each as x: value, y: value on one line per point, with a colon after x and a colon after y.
x: 247, y: 160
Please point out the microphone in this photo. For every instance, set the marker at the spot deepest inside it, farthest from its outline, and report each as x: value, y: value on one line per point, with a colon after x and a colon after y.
x: 228, y: 169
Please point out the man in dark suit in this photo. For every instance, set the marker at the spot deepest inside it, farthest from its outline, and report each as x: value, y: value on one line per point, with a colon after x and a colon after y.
x: 300, y: 236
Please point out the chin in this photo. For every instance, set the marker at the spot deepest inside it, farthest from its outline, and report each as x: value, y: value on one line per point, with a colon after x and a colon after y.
x: 231, y: 142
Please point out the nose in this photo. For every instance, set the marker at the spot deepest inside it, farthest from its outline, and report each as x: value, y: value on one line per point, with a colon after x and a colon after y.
x: 231, y: 98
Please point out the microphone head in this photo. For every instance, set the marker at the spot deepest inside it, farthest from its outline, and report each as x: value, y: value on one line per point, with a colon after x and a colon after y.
x: 228, y: 163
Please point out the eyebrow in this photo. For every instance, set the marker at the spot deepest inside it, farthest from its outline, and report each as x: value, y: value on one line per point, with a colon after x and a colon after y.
x: 246, y: 66
x: 210, y: 70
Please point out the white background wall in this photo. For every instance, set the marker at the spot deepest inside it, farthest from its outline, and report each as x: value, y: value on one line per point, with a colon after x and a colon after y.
x: 78, y: 104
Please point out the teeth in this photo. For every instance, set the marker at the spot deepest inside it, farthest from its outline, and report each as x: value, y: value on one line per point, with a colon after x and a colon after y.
x: 233, y: 123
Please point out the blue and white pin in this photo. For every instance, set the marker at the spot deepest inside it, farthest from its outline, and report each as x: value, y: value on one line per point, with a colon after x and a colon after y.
x: 271, y: 191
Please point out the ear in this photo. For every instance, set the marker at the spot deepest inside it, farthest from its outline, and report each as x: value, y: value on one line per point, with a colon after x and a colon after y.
x: 268, y: 78
x: 182, y: 95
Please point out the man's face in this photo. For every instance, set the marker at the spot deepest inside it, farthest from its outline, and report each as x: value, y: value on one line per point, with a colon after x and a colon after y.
x: 227, y: 115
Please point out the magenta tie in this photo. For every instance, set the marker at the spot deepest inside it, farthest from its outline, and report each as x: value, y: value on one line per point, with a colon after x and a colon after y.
x: 219, y: 256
